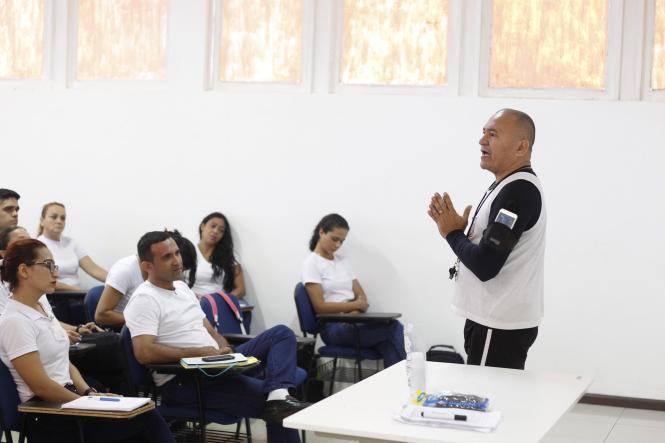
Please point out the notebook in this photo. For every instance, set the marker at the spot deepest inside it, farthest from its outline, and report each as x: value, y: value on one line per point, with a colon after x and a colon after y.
x: 473, y: 420
x: 197, y: 362
x: 104, y: 403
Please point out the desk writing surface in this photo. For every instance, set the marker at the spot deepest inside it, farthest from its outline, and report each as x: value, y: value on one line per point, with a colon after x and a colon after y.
x: 530, y: 403
x: 43, y: 407
x: 365, y: 317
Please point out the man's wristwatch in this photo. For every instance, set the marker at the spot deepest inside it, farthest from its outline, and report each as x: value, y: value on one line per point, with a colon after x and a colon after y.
x: 89, y: 390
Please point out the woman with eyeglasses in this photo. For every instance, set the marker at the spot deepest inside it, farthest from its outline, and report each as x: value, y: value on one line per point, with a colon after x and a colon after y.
x: 67, y: 252
x: 35, y: 349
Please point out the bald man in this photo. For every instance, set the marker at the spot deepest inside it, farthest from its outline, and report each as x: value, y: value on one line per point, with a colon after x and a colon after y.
x: 500, y: 260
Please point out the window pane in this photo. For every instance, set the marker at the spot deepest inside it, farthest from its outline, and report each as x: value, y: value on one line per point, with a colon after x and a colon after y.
x: 658, y: 72
x: 21, y: 38
x: 548, y: 44
x: 121, y: 39
x: 261, y: 41
x: 392, y: 42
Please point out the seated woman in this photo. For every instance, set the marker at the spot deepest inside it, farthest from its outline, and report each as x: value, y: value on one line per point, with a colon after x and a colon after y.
x: 12, y: 235
x: 333, y: 288
x: 126, y: 275
x: 35, y: 348
x: 218, y: 269
x: 65, y: 250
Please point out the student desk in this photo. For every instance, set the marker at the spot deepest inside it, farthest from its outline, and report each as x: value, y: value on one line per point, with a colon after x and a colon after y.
x: 79, y: 349
x: 360, y: 317
x: 530, y: 402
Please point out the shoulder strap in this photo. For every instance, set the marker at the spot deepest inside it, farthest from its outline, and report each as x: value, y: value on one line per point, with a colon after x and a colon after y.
x: 213, y: 305
x: 235, y: 310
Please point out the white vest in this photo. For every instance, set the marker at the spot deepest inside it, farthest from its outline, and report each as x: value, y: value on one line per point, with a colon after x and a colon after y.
x: 513, y: 299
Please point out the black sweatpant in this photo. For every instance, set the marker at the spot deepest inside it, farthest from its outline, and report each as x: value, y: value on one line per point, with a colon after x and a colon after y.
x: 502, y: 348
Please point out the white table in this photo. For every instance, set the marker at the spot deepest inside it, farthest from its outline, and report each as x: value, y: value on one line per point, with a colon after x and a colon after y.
x: 530, y: 403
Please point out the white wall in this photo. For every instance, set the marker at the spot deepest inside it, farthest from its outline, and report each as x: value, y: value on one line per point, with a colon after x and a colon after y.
x: 128, y: 162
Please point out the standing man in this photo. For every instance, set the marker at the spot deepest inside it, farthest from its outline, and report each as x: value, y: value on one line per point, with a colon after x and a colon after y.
x: 166, y: 324
x: 8, y: 208
x: 499, y: 270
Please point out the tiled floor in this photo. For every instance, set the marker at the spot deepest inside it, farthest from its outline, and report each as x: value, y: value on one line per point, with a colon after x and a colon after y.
x: 584, y: 424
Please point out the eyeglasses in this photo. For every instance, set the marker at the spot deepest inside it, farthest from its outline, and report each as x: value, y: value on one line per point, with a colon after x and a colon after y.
x: 50, y: 264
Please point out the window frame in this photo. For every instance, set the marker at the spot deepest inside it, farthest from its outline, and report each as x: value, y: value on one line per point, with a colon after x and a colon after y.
x: 453, y: 62
x: 212, y: 81
x: 72, y: 52
x: 647, y: 65
x: 45, y: 79
x: 615, y: 13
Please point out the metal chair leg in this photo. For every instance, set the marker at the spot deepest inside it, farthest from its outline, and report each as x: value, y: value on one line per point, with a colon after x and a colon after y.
x: 303, y: 436
x: 249, y: 430
x: 332, y: 379
x: 202, y: 417
x: 238, y: 429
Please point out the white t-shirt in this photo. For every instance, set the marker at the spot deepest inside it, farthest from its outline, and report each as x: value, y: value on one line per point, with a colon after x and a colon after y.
x: 335, y: 276
x: 175, y: 317
x: 205, y: 282
x: 5, y: 293
x: 125, y: 276
x: 67, y: 253
x: 24, y: 330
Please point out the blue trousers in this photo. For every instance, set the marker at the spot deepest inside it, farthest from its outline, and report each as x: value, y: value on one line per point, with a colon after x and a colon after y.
x: 244, y: 395
x: 386, y: 339
x: 148, y: 427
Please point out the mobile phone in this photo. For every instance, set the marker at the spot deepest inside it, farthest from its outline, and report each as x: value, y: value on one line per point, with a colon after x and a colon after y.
x: 218, y: 358
x: 506, y: 217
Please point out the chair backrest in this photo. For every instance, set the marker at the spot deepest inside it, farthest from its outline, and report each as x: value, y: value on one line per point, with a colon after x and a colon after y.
x: 137, y: 373
x: 226, y: 319
x: 9, y: 400
x: 306, y: 313
x: 91, y: 300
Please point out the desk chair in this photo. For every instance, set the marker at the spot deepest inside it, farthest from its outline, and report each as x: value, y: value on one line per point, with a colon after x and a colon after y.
x: 68, y: 306
x: 310, y: 324
x: 10, y: 418
x: 91, y: 300
x: 225, y: 321
x: 142, y: 381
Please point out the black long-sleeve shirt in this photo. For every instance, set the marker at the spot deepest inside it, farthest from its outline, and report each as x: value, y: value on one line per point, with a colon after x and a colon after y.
x: 520, y: 197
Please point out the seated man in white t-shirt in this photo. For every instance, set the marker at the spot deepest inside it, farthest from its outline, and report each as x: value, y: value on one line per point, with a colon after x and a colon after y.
x: 167, y: 323
x: 126, y: 275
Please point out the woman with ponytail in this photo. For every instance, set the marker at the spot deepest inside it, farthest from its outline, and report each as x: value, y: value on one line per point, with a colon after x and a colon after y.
x: 333, y: 288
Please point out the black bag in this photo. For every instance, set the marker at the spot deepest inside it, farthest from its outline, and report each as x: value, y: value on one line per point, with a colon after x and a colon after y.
x: 444, y: 354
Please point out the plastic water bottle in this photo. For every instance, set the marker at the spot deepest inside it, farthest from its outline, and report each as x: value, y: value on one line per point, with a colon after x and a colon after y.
x: 415, y: 364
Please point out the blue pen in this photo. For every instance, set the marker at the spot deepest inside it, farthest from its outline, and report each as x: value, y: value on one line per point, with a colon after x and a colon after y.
x: 109, y: 399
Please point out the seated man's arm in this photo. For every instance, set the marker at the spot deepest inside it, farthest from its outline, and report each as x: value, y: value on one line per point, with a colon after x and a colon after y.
x: 105, y: 314
x: 224, y: 347
x: 148, y: 351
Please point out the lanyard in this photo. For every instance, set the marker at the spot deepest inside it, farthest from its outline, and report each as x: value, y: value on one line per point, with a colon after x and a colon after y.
x: 453, y: 272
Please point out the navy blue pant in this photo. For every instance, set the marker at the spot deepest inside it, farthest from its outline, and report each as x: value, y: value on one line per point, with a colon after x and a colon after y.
x: 244, y: 395
x: 148, y: 427
x: 386, y: 339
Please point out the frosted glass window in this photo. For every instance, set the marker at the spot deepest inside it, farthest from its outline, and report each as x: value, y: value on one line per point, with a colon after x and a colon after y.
x: 121, y: 39
x: 658, y: 71
x: 21, y: 39
x: 548, y: 44
x: 261, y: 41
x: 395, y: 42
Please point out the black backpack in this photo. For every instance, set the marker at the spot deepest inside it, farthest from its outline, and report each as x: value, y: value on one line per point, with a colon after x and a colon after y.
x: 444, y: 354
